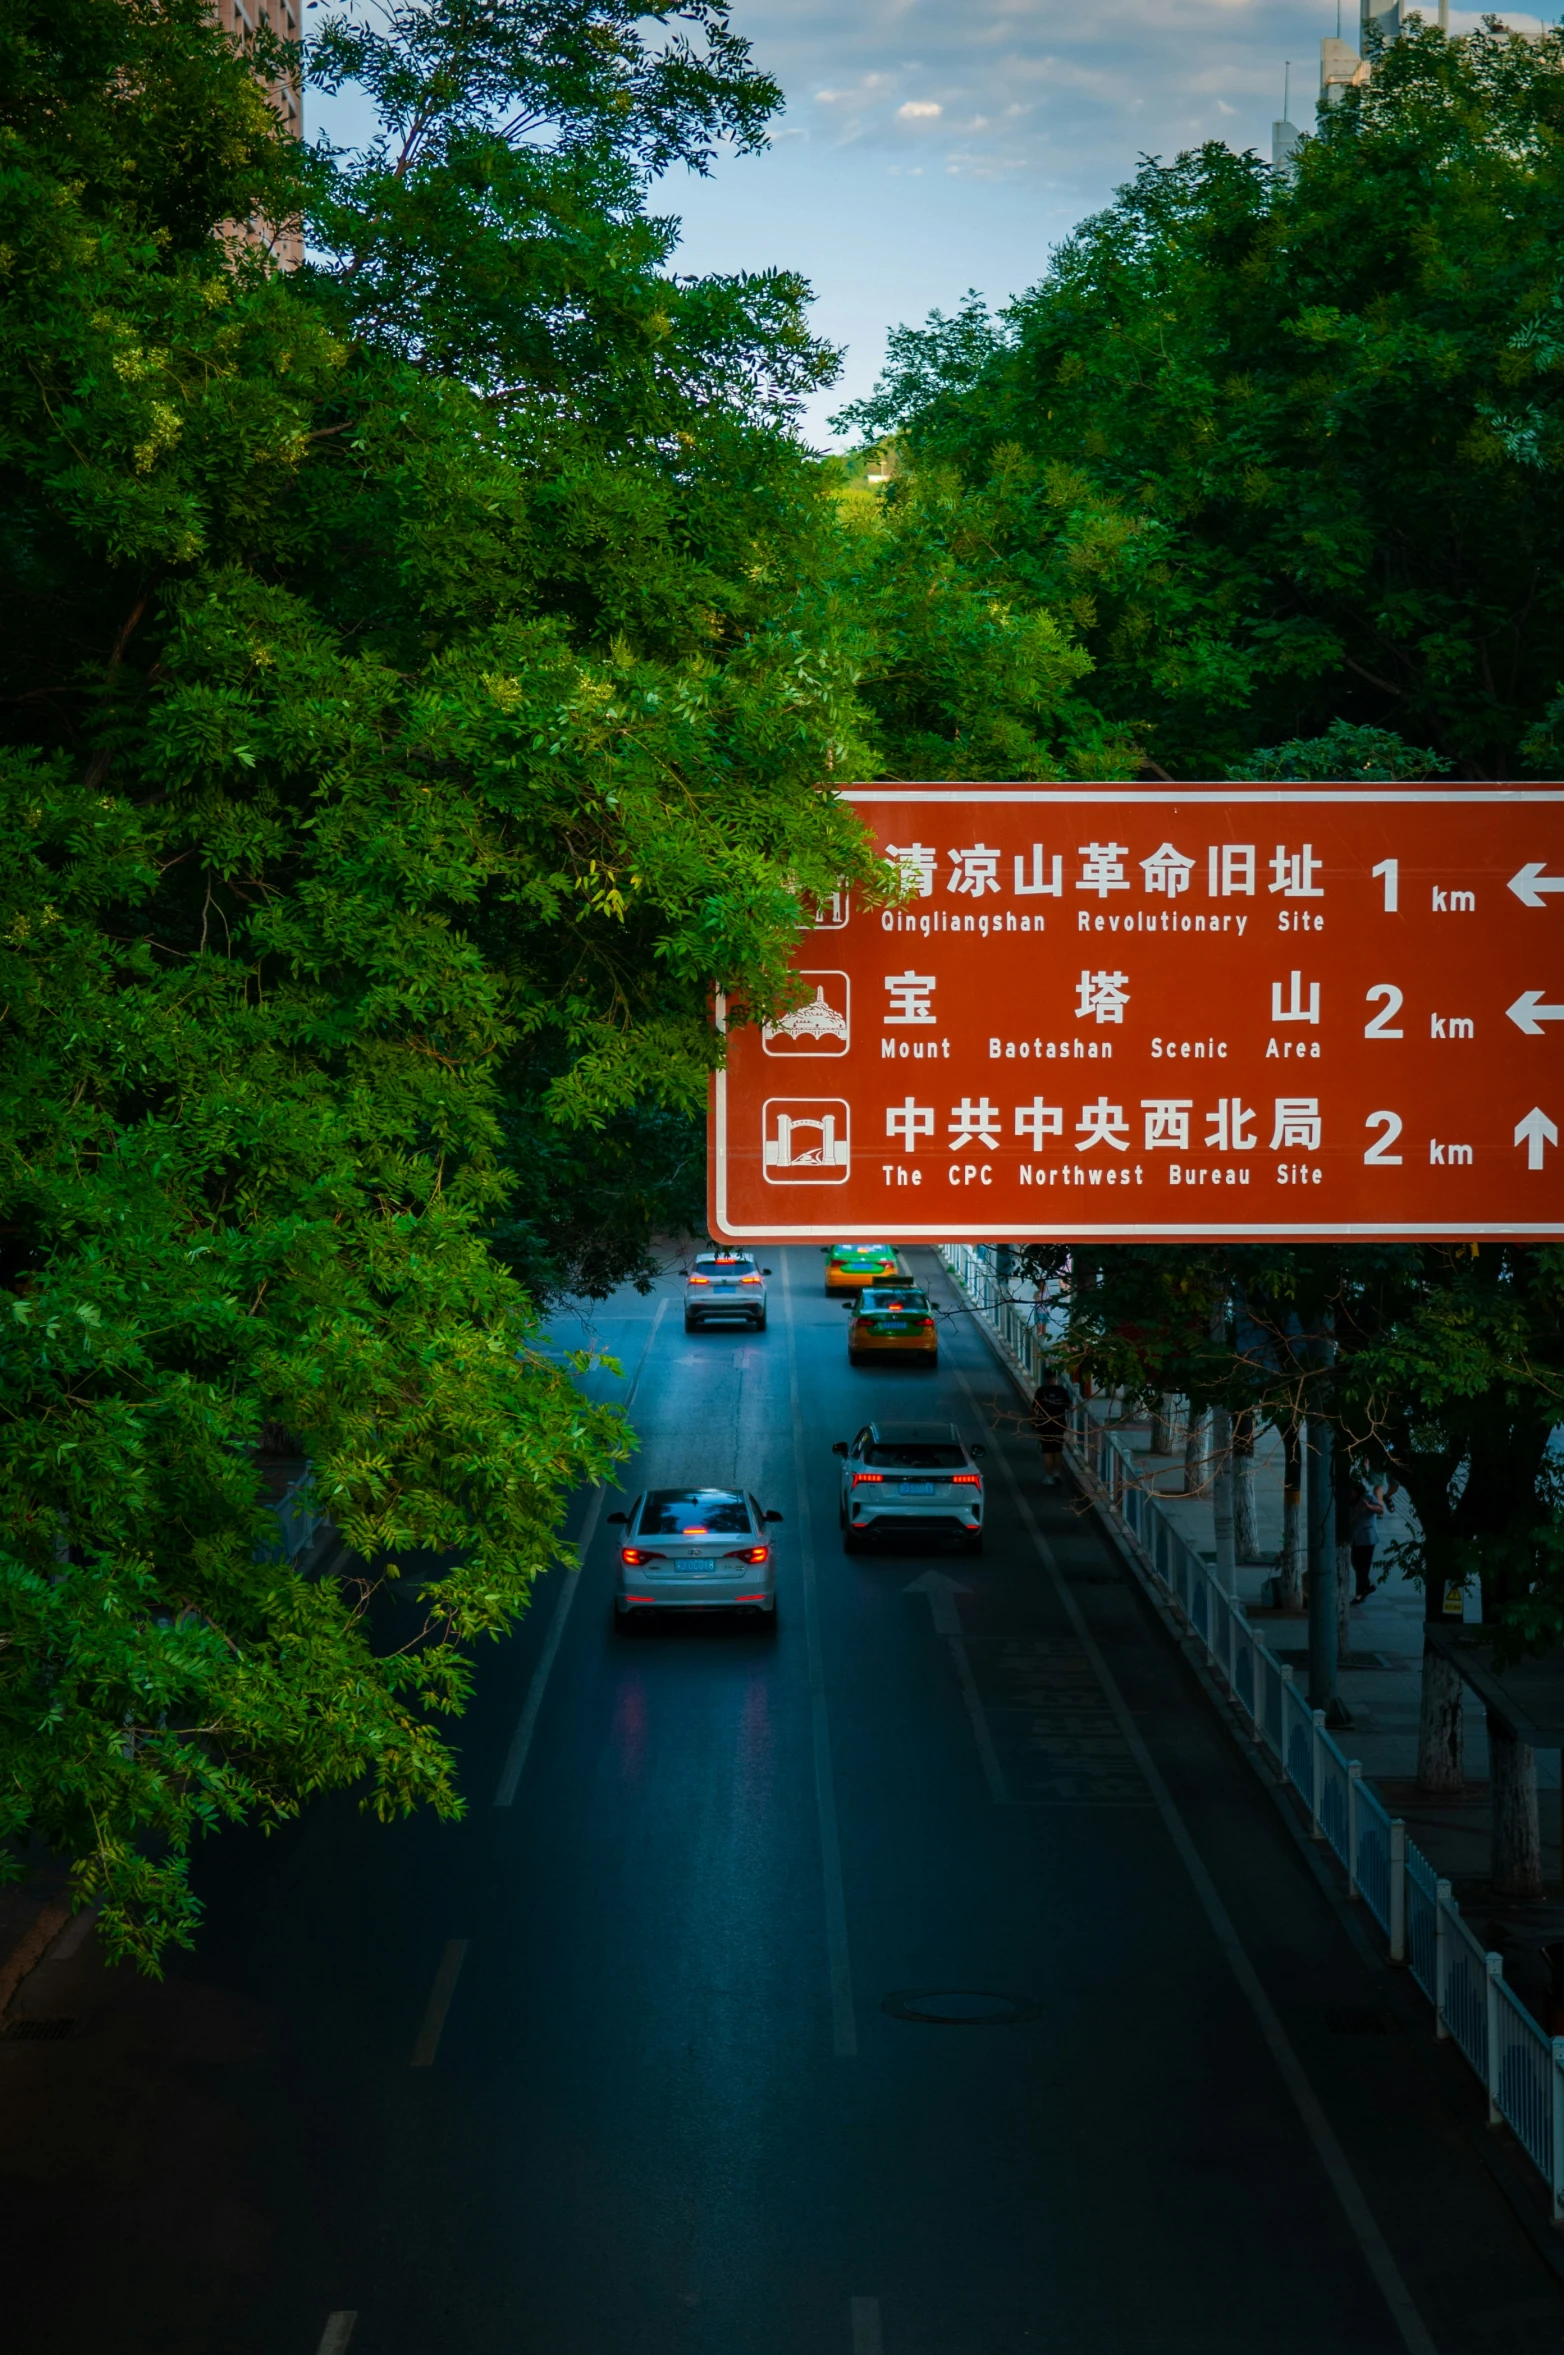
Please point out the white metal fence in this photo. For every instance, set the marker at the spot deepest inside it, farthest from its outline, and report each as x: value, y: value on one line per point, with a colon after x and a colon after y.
x: 1520, y: 2067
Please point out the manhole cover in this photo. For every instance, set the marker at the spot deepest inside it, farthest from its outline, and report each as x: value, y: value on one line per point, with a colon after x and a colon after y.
x: 37, y: 2031
x: 960, y: 2007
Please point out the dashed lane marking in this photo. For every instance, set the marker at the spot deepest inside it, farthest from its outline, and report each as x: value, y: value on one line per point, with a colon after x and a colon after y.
x: 516, y: 1759
x: 844, y: 2018
x: 439, y: 2004
x: 866, y: 2326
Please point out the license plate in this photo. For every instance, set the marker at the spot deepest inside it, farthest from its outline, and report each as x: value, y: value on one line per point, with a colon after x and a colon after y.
x: 916, y: 1488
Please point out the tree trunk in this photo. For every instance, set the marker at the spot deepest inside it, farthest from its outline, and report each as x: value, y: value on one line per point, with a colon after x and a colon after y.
x: 1246, y: 1543
x: 1439, y: 1761
x: 1289, y: 1562
x: 1196, y: 1454
x: 1222, y: 1498
x: 1324, y: 1649
x: 1345, y: 1586
x: 1515, y: 1866
x: 1164, y: 1424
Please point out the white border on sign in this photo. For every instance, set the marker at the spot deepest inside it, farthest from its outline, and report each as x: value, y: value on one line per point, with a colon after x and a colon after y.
x: 1141, y: 1230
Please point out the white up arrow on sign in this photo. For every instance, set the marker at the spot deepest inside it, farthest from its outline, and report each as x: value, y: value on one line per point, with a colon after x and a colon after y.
x: 1529, y: 1013
x: 1530, y: 884
x: 1534, y: 1132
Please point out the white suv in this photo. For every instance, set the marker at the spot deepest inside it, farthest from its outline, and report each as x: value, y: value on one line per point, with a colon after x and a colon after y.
x: 725, y: 1284
x: 910, y: 1480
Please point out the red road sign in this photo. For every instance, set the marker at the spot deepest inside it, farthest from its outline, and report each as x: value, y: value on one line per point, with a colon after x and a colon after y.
x: 1139, y: 1012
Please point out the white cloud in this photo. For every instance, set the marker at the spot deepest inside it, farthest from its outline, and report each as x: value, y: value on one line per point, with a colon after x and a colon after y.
x: 918, y: 110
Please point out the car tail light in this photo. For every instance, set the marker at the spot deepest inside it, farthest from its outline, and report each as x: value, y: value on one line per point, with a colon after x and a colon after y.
x: 749, y: 1279
x: 925, y: 1324
x: 749, y: 1553
x: 860, y: 1477
x: 633, y: 1556
x: 751, y: 1598
x: 699, y: 1279
x: 967, y: 1479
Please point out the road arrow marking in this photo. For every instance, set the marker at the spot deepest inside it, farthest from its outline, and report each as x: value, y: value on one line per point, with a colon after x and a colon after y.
x: 1529, y: 1013
x: 942, y: 1593
x: 1530, y: 884
x: 1534, y: 1132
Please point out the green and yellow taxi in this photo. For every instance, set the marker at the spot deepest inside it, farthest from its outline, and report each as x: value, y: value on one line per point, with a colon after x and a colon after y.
x: 893, y: 1320
x: 849, y: 1266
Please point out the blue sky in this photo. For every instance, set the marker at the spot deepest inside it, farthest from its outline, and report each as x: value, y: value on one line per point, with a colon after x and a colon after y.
x: 929, y: 146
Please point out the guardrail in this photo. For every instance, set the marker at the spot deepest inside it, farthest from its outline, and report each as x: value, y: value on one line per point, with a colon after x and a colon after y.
x: 1520, y: 2067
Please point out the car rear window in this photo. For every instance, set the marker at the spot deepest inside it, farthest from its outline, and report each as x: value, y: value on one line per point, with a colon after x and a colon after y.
x: 911, y: 1304
x: 918, y: 1455
x: 694, y: 1512
x: 725, y: 1267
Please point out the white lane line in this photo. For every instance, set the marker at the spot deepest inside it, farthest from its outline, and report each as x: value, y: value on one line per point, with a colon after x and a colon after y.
x: 1338, y: 2167
x: 993, y: 1772
x: 844, y: 2018
x: 941, y: 1593
x: 73, y: 1937
x: 521, y: 1742
x: 866, y: 2326
x: 338, y: 2331
x: 439, y: 2004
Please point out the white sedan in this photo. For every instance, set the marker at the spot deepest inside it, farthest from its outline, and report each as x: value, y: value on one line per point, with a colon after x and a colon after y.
x: 696, y: 1549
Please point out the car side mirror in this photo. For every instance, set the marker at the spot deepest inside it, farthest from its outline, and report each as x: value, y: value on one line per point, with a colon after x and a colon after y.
x: 773, y: 1516
x: 979, y: 1450
x: 765, y: 1271
x: 618, y: 1516
x: 839, y: 1447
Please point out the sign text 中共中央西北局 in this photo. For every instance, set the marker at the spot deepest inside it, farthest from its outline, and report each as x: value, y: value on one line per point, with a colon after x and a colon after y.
x: 1133, y: 1011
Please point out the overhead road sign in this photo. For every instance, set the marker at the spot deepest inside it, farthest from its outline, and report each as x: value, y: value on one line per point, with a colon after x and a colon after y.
x: 1153, y: 1012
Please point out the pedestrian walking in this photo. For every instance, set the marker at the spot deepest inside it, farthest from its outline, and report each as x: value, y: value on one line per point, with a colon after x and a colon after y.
x: 1051, y: 1404
x: 1364, y: 1515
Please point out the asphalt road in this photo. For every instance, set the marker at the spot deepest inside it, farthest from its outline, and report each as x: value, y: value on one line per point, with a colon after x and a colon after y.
x: 636, y: 2061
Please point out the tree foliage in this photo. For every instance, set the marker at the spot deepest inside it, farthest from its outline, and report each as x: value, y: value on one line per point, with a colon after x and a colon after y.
x: 419, y: 678
x: 1288, y: 449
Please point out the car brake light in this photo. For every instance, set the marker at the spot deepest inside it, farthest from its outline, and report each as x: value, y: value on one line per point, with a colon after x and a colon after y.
x: 700, y: 1279
x: 860, y: 1477
x: 633, y: 1556
x: 703, y: 1531
x: 925, y: 1324
x: 749, y: 1553
x: 749, y: 1279
x: 968, y: 1479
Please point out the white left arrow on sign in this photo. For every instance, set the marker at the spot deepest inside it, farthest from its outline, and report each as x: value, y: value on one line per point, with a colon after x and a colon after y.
x: 1535, y: 1132
x: 1529, y: 1013
x: 1530, y: 884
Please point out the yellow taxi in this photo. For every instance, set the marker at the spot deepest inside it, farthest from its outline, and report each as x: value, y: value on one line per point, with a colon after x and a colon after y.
x: 893, y: 1320
x: 849, y: 1266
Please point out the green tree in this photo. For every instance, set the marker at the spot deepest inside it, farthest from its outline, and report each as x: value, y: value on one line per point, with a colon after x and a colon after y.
x: 419, y: 674
x: 1445, y: 1372
x: 1288, y: 449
